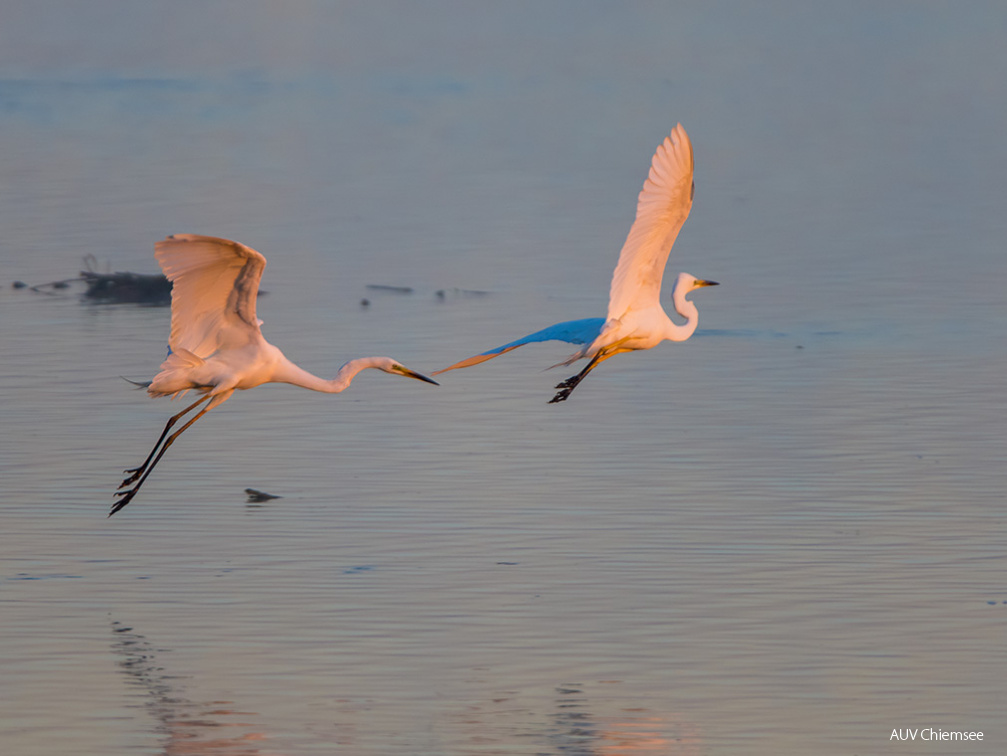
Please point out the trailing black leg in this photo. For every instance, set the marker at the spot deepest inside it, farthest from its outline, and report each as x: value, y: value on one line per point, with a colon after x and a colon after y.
x: 566, y: 387
x: 138, y: 471
x: 139, y: 474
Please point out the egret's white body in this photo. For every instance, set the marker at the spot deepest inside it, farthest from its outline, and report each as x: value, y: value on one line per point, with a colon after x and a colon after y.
x: 635, y: 318
x: 216, y: 346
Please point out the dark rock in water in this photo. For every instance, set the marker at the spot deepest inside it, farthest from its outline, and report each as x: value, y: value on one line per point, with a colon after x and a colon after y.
x: 255, y: 497
x: 127, y: 287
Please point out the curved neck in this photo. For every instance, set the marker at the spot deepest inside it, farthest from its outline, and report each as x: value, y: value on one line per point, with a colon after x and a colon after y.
x: 298, y: 376
x: 687, y: 310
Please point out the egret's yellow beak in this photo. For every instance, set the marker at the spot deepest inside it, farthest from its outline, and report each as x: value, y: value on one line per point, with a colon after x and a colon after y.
x: 413, y: 374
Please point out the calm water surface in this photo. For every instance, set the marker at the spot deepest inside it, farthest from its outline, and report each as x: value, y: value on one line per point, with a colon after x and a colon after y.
x: 786, y: 536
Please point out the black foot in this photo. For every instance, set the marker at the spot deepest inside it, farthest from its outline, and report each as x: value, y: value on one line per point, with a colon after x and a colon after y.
x: 127, y: 497
x: 137, y: 472
x: 565, y: 389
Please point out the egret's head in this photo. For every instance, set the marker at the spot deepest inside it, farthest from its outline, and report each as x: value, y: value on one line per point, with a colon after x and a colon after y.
x: 687, y: 283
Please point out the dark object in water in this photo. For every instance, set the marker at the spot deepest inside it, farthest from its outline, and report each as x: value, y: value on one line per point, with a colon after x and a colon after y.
x: 137, y: 288
x: 392, y: 289
x: 49, y: 289
x: 113, y: 288
x: 255, y: 497
x: 443, y: 294
x: 130, y: 288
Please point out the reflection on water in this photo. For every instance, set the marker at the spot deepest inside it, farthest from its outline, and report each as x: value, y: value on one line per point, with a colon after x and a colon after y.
x: 570, y: 724
x: 187, y: 728
x: 639, y: 732
x: 567, y: 724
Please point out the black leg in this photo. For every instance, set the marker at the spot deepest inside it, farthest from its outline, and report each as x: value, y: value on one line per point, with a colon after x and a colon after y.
x: 140, y: 473
x: 566, y: 387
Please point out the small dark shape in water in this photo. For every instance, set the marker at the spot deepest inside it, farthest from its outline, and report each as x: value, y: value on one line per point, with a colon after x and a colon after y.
x: 393, y: 289
x: 365, y: 302
x: 127, y: 287
x: 19, y: 285
x: 568, y: 690
x: 357, y: 569
x: 45, y: 576
x: 456, y: 293
x: 255, y: 497
x: 47, y: 288
x: 508, y: 564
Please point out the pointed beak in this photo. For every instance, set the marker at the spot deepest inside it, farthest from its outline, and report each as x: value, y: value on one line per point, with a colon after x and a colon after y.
x: 707, y: 283
x: 418, y: 376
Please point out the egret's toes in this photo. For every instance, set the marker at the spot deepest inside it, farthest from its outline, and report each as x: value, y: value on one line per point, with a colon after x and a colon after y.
x: 120, y: 504
x: 125, y: 498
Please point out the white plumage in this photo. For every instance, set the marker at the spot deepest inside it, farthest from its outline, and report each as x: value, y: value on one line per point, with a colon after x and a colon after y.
x: 635, y: 317
x: 216, y: 346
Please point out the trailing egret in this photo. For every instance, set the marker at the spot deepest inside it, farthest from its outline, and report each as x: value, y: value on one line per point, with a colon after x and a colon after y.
x: 215, y: 345
x: 635, y: 318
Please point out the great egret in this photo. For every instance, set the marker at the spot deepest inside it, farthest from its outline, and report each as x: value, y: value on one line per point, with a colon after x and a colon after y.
x: 215, y: 345
x: 635, y: 318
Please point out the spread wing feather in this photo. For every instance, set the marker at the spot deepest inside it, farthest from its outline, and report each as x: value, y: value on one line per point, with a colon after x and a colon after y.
x: 215, y: 283
x: 661, y: 209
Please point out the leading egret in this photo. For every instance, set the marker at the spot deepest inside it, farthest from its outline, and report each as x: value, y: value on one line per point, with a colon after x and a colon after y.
x: 215, y: 345
x: 635, y: 318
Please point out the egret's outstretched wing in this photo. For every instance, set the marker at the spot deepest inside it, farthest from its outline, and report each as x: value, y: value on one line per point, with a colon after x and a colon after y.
x: 661, y: 209
x: 214, y: 286
x: 572, y: 331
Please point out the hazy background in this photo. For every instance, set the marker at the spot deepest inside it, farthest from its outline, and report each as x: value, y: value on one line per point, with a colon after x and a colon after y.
x: 785, y: 536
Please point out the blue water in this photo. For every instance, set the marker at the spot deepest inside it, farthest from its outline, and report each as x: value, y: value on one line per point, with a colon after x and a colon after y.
x: 785, y: 536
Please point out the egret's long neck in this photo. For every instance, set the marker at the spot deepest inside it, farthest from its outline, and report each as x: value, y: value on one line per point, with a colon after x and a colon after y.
x: 298, y: 376
x: 687, y: 310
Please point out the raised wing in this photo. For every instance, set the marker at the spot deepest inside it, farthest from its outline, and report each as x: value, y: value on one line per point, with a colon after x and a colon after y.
x: 214, y: 286
x: 572, y: 331
x: 661, y: 209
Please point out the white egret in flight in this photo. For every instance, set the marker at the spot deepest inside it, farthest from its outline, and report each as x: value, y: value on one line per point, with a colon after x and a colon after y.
x: 635, y: 318
x: 215, y: 345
